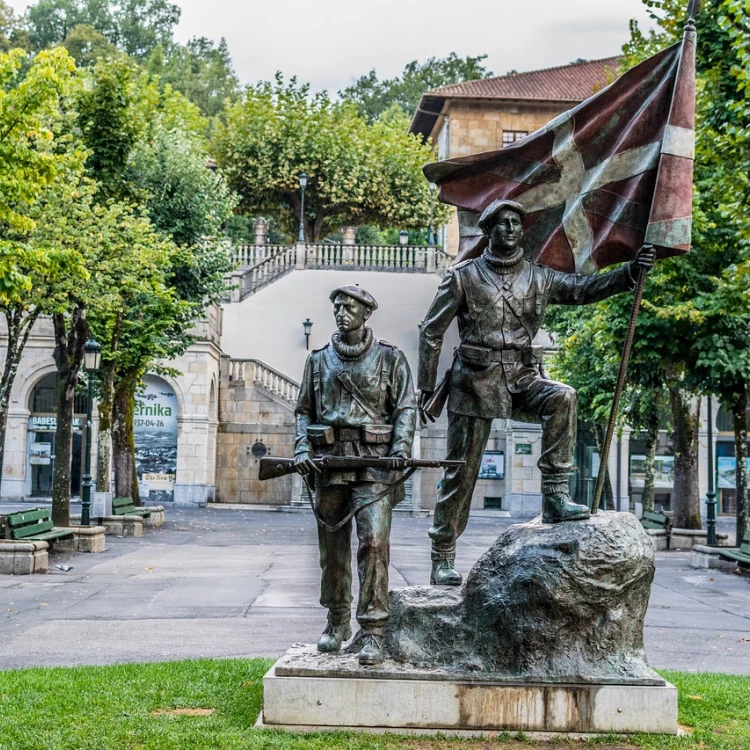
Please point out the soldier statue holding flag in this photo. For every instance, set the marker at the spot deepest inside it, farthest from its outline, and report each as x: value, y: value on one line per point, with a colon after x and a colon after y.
x: 499, y: 300
x: 609, y: 181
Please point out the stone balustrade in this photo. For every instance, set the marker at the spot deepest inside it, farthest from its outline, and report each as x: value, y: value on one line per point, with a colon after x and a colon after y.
x: 263, y: 375
x: 259, y: 265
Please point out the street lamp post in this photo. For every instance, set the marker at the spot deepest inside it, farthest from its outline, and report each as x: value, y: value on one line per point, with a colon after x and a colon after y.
x: 431, y: 233
x: 92, y: 357
x: 403, y: 237
x: 307, y: 324
x: 711, y: 494
x: 302, y: 186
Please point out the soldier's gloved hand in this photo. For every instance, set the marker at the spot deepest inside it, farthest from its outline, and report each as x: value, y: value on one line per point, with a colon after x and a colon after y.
x: 424, y: 397
x: 644, y: 258
x: 303, y: 464
x: 397, y: 460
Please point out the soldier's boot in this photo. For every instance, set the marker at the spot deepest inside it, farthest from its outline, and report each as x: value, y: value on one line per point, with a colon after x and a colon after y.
x: 556, y: 503
x: 333, y: 637
x: 371, y: 653
x: 444, y: 571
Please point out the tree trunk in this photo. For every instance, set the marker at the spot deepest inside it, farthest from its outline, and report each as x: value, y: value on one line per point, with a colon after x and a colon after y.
x: 652, y: 440
x: 68, y: 356
x: 104, y: 453
x: 739, y: 412
x: 607, y: 499
x: 685, y: 418
x: 19, y: 328
x: 123, y: 439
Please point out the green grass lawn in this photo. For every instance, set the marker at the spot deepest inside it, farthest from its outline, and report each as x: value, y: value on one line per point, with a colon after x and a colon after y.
x: 214, y: 704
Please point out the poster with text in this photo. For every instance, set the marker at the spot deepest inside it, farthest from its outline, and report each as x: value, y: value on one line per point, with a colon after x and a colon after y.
x: 493, y: 465
x: 155, y: 427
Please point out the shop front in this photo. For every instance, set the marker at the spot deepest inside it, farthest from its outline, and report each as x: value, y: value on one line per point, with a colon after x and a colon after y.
x: 41, y: 441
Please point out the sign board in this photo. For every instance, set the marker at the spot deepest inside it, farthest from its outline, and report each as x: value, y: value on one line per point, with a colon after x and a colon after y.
x: 155, y: 428
x: 40, y: 454
x: 493, y: 465
x: 726, y: 470
x: 663, y: 472
x: 523, y: 449
x: 49, y: 424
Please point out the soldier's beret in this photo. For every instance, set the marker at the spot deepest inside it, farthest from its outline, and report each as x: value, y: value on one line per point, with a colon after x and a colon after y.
x: 355, y: 292
x: 494, y: 208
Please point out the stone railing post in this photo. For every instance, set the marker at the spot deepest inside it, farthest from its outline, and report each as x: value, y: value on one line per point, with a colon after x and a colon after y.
x: 431, y: 264
x: 348, y: 235
x: 260, y: 227
x: 301, y: 252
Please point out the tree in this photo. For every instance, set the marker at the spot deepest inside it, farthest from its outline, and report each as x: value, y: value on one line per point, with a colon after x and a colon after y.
x: 357, y: 173
x: 86, y: 45
x: 373, y: 96
x: 200, y: 70
x: 12, y: 33
x: 146, y: 145
x: 691, y: 303
x: 33, y: 155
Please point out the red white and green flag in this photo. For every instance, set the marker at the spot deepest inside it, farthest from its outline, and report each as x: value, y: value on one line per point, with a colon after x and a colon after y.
x: 599, y: 180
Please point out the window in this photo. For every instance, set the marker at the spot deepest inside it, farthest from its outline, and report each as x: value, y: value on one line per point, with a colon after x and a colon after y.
x: 493, y: 503
x: 511, y: 136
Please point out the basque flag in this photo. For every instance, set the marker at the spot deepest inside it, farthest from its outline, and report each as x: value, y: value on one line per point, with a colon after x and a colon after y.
x: 598, y: 181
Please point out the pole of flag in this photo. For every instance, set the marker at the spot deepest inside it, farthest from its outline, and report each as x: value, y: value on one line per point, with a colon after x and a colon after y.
x: 694, y: 7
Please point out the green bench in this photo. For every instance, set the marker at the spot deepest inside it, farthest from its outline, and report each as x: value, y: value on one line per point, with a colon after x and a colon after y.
x: 123, y: 506
x: 652, y: 520
x: 740, y: 554
x: 35, y: 526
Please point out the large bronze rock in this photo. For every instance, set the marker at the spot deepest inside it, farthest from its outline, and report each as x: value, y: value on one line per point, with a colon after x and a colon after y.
x: 562, y: 602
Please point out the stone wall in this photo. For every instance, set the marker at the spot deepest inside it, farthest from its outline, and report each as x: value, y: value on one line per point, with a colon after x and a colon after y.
x: 249, y: 415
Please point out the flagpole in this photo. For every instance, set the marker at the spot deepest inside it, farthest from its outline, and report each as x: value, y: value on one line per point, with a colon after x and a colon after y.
x: 694, y: 7
x: 626, y: 349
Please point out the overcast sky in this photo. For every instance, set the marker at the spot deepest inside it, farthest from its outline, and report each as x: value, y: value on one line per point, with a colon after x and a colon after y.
x: 330, y: 42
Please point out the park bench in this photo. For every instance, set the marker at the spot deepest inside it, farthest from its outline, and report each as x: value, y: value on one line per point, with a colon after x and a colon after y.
x: 123, y: 506
x: 740, y: 554
x: 652, y: 520
x: 35, y: 526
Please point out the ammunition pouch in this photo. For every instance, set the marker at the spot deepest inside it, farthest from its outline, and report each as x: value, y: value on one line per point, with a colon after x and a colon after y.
x: 320, y: 435
x: 377, y: 434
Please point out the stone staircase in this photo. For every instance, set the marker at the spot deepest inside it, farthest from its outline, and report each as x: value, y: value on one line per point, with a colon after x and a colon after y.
x: 275, y: 384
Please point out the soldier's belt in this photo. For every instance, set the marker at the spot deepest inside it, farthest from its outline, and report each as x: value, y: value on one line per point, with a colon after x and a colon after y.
x: 322, y: 435
x: 483, y: 356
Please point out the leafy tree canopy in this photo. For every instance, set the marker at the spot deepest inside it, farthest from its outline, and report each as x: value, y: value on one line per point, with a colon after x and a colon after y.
x: 357, y: 173
x: 373, y: 96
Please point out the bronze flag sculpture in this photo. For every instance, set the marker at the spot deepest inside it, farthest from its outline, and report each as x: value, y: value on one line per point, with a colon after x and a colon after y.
x: 610, y: 176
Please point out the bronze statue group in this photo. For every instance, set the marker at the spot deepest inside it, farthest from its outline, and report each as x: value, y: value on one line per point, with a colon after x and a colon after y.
x: 357, y: 399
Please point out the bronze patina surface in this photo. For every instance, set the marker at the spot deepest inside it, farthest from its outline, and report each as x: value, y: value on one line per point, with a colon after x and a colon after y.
x: 356, y: 399
x: 499, y: 300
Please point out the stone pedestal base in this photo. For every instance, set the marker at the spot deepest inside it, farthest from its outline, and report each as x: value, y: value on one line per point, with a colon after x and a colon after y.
x: 122, y: 525
x: 23, y: 558
x: 688, y: 538
x: 85, y: 539
x: 304, y: 691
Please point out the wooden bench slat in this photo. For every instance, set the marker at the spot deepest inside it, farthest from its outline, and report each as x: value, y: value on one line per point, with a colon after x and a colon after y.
x: 735, y: 555
x: 54, y: 534
x: 25, y: 531
x: 29, y: 516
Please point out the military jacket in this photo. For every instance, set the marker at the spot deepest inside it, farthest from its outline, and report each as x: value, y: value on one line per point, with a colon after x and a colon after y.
x: 501, y: 313
x: 382, y: 376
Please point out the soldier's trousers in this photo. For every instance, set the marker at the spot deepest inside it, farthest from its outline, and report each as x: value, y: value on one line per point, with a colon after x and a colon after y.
x: 553, y: 404
x: 373, y: 554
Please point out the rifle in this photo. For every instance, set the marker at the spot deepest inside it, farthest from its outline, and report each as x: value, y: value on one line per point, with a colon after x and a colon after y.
x: 272, y: 467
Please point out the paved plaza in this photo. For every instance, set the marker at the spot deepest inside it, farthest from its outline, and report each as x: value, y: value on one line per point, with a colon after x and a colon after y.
x: 228, y: 583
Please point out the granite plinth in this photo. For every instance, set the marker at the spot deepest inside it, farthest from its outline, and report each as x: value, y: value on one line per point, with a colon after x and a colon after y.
x: 308, y: 690
x: 23, y: 557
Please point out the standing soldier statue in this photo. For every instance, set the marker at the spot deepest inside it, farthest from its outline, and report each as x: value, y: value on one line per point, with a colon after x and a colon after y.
x: 356, y: 400
x: 499, y: 300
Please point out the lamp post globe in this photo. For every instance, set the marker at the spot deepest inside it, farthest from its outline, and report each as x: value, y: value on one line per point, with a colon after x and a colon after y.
x: 403, y: 237
x: 307, y: 325
x: 92, y: 358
